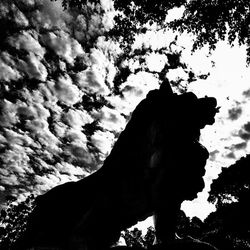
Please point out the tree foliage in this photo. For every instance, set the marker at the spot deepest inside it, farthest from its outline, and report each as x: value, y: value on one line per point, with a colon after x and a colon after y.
x: 229, y: 225
x: 135, y: 238
x: 210, y: 21
x: 13, y: 220
x: 133, y: 18
x: 232, y: 184
x: 140, y: 11
x: 225, y: 228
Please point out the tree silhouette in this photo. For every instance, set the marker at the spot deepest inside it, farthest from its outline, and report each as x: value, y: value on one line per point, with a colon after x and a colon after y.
x: 132, y: 19
x: 210, y: 21
x: 233, y: 182
x: 135, y: 238
x: 229, y: 226
x: 13, y: 220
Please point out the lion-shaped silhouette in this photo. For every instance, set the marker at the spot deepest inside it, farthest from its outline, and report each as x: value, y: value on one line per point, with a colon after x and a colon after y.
x: 156, y: 163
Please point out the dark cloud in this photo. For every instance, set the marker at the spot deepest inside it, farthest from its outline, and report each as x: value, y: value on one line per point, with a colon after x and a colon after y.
x: 213, y: 154
x: 244, y: 132
x: 246, y: 93
x: 240, y: 146
x: 63, y: 45
x: 7, y: 70
x: 230, y: 155
x: 247, y: 127
x: 234, y: 113
x: 244, y: 135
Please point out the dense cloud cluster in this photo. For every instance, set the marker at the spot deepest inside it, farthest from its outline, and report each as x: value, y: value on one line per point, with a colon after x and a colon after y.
x: 59, y: 115
x: 47, y: 70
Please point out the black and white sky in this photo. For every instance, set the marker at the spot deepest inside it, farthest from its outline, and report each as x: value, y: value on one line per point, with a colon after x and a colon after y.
x: 48, y: 66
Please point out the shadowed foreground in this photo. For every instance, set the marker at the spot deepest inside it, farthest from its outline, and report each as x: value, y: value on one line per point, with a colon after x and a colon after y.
x: 177, y: 245
x: 156, y: 164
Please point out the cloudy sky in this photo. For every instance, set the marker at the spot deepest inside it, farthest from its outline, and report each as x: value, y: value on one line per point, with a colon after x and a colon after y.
x: 59, y: 114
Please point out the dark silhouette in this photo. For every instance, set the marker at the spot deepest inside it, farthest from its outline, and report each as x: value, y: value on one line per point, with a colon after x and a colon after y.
x: 156, y: 163
x: 229, y: 226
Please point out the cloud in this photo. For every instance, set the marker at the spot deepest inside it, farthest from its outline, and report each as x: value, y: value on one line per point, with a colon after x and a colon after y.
x: 77, y: 118
x: 77, y: 137
x: 13, y: 14
x: 111, y: 49
x: 244, y: 132
x: 3, y: 141
x: 65, y: 90
x: 230, y: 155
x: 234, y: 113
x: 46, y: 182
x: 247, y: 127
x: 32, y: 139
x: 246, y: 93
x: 8, y: 116
x: 34, y: 115
x: 103, y: 141
x: 32, y: 66
x: 63, y: 45
x: 93, y: 21
x: 239, y: 146
x: 79, y: 155
x: 8, y: 71
x: 200, y: 208
x: 8, y: 180
x: 28, y: 41
x: 4, y: 10
x: 19, y: 139
x: 42, y: 118
x: 14, y: 168
x: 244, y: 135
x: 227, y: 140
x: 156, y: 62
x: 46, y: 14
x: 100, y: 73
x: 28, y: 63
x: 110, y: 119
x: 74, y: 172
x: 133, y: 91
x: 228, y: 135
x: 52, y: 14
x: 47, y: 90
x: 136, y: 88
x: 109, y: 13
x: 60, y: 129
x: 212, y: 155
x: 178, y: 73
x: 154, y: 39
x: 92, y: 81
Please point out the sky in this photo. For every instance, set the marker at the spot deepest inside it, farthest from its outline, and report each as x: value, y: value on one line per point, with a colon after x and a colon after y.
x: 48, y: 66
